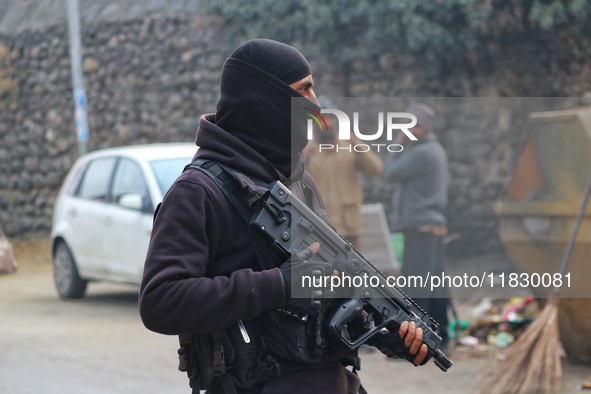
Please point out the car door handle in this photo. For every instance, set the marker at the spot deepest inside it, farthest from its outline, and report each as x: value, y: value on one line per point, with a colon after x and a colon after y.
x: 72, y: 212
x: 108, y: 221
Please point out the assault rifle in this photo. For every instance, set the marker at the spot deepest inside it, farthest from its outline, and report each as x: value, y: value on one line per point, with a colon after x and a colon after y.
x: 291, y: 225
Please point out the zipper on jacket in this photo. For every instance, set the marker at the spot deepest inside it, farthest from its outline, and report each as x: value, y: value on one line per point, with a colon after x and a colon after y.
x: 243, y: 331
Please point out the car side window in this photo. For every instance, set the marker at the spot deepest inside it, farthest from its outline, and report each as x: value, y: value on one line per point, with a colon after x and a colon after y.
x: 96, y: 180
x: 129, y: 179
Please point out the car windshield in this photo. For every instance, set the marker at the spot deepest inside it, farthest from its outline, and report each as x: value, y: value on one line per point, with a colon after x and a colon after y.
x: 167, y: 170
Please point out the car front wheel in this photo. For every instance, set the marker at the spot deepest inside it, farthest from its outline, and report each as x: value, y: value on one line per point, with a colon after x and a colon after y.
x: 65, y: 274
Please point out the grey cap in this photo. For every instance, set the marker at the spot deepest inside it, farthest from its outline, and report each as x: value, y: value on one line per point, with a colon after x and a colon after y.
x: 425, y: 115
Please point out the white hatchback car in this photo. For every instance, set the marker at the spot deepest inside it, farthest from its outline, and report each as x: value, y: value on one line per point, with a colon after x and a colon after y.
x: 102, y: 216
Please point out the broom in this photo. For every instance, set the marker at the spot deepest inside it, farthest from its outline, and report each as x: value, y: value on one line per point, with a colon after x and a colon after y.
x: 532, y: 363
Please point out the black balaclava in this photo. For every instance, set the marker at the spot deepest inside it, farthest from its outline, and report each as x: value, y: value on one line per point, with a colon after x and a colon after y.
x: 255, y: 102
x: 280, y: 60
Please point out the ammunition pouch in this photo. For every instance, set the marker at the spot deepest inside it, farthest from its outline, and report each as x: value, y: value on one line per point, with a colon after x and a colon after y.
x: 240, y: 358
x: 225, y: 361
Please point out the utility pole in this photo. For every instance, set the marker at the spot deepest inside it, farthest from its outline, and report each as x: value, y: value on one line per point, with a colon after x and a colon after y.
x: 79, y: 93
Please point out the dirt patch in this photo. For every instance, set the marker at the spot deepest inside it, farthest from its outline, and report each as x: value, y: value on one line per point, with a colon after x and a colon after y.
x: 32, y: 254
x: 33, y: 251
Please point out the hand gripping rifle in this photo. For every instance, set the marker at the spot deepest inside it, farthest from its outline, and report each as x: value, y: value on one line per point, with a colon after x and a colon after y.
x: 291, y: 225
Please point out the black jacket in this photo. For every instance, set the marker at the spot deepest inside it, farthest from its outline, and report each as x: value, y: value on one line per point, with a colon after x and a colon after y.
x: 201, y: 272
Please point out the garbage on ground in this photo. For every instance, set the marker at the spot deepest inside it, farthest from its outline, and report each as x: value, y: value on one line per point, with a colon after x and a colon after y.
x: 456, y: 327
x: 496, y: 323
x: 482, y: 308
x: 468, y: 340
x: 501, y: 339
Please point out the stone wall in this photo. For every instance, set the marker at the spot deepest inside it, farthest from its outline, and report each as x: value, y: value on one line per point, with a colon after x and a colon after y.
x: 149, y: 77
x: 147, y: 80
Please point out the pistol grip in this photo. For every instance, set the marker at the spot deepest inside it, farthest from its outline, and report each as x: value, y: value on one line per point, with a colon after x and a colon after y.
x: 344, y: 315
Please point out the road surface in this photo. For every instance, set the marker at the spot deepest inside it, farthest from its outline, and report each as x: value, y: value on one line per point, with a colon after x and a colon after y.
x: 99, y: 345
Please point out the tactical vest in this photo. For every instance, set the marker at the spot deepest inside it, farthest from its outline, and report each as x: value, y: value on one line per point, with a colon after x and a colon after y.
x: 278, y: 341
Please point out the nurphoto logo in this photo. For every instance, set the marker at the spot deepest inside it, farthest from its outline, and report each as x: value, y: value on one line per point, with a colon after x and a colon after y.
x: 391, y: 121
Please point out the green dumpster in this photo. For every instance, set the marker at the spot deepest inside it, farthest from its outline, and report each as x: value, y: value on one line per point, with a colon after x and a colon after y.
x: 538, y: 213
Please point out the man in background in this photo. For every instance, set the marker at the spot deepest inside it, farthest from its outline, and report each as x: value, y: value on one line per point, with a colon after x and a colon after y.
x: 337, y: 173
x: 421, y: 172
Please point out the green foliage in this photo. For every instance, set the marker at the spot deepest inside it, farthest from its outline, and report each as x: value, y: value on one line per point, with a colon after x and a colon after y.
x: 336, y: 32
x: 572, y: 15
x: 438, y: 33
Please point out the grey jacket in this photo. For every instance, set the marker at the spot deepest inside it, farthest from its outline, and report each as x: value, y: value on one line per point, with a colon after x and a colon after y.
x: 422, y: 174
